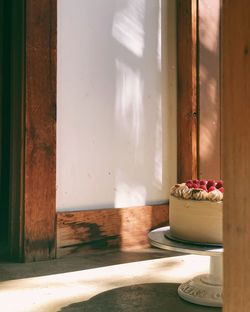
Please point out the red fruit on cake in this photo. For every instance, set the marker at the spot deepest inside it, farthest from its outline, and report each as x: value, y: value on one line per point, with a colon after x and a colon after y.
x: 210, y: 183
x: 203, y: 182
x: 211, y: 189
x: 195, y: 186
x: 203, y: 187
x: 219, y: 184
x: 189, y: 184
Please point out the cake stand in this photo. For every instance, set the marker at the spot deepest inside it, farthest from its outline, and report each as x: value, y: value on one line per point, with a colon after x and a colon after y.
x: 205, y: 289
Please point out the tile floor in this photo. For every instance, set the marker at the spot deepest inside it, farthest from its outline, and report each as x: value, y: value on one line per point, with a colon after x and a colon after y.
x: 113, y: 281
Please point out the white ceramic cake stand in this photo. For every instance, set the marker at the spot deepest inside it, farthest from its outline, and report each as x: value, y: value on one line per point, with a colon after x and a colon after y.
x: 205, y: 289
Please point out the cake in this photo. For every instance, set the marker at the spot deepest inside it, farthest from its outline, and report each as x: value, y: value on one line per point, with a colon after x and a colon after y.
x: 195, y: 211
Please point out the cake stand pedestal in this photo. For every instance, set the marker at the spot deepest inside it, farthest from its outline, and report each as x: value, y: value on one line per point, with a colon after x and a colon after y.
x: 205, y: 289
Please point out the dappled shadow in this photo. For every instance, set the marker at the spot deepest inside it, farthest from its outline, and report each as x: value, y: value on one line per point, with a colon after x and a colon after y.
x: 153, y: 297
x: 82, y: 260
x: 116, y: 104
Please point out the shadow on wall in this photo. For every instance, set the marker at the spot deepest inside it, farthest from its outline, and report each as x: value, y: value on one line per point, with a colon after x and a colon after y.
x: 116, y: 105
x: 158, y: 297
x: 136, y: 122
x: 116, y: 118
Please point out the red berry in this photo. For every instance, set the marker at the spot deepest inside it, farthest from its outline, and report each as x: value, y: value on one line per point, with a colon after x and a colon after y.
x: 219, y: 184
x: 189, y: 185
x: 196, y: 181
x: 203, y: 187
x: 196, y: 186
x: 203, y: 182
x: 189, y: 181
x: 210, y: 183
x: 221, y: 189
x: 211, y: 188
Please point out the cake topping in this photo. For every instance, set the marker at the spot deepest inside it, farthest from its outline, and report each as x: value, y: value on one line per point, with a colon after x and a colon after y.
x: 199, y: 194
x: 215, y: 195
x: 199, y: 190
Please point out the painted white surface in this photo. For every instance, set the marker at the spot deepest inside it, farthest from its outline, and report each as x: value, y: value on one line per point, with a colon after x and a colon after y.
x: 116, y: 99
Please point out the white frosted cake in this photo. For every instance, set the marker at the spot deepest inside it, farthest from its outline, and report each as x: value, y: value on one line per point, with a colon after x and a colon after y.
x: 195, y: 211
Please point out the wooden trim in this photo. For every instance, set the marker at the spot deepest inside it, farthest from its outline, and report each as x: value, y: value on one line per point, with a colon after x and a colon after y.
x: 123, y: 228
x: 17, y: 103
x: 40, y: 135
x: 236, y: 153
x: 187, y: 72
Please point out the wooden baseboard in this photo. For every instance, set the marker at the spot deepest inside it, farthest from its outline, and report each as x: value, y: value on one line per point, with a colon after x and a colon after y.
x: 122, y: 228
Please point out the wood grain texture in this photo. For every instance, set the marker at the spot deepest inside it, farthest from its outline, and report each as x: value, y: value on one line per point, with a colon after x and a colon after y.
x: 17, y: 129
x: 236, y: 153
x: 187, y: 89
x: 209, y: 90
x: 123, y: 228
x: 40, y: 138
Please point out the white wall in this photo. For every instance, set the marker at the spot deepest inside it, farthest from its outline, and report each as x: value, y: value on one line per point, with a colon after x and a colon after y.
x: 116, y: 98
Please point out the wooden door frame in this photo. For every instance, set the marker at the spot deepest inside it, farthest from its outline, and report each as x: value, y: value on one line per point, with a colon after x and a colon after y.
x: 34, y: 116
x: 235, y: 98
x: 187, y: 90
x: 33, y: 162
x: 33, y: 131
x: 33, y: 217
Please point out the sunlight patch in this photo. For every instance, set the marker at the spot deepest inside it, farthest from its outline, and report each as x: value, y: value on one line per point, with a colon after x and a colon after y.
x: 128, y: 28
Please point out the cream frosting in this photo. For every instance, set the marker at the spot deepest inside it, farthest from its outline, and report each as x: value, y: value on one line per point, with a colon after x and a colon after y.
x: 215, y: 195
x: 183, y: 191
x: 199, y: 194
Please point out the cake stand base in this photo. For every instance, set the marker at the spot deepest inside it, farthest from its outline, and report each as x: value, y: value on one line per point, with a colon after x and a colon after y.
x: 205, y: 289
x: 198, y: 292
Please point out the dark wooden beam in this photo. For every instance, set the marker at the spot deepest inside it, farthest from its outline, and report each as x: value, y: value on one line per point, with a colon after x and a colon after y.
x: 32, y: 234
x: 17, y: 129
x: 187, y: 109
x: 40, y: 134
